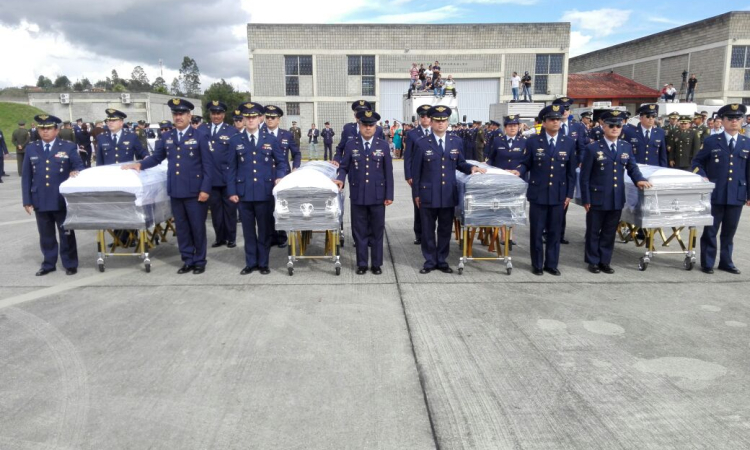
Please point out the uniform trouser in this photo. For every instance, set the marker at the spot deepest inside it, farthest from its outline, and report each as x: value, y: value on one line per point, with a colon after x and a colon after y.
x: 728, y: 217
x: 368, y: 228
x: 190, y: 223
x: 564, y: 223
x: 2, y: 163
x: 257, y: 243
x: 545, y: 218
x: 313, y: 151
x: 46, y: 223
x: 479, y: 153
x: 417, y: 221
x: 327, y: 151
x: 601, y: 229
x: 19, y: 159
x: 436, y: 253
x: 223, y: 214
x: 86, y: 158
x: 468, y: 152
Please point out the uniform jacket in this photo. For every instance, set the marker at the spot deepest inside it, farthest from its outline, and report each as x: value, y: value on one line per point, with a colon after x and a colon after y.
x: 20, y: 138
x: 728, y: 170
x: 68, y: 134
x: 502, y: 156
x: 350, y: 131
x: 327, y: 134
x: 370, y: 173
x: 434, y: 172
x: 552, y: 174
x: 412, y: 137
x: 42, y: 174
x: 577, y: 132
x: 602, y: 180
x: 128, y: 148
x: 684, y: 145
x: 653, y: 152
x: 288, y: 145
x: 218, y: 144
x: 252, y: 171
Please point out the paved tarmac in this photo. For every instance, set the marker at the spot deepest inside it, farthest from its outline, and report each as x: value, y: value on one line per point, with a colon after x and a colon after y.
x: 484, y: 360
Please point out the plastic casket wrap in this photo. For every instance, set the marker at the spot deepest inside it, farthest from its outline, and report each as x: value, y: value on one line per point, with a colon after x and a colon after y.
x: 107, y: 197
x: 308, y: 199
x: 677, y: 198
x: 493, y: 199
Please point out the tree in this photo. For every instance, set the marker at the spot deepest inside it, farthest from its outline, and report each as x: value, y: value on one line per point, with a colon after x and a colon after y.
x: 78, y: 86
x: 225, y: 92
x: 175, y: 87
x: 62, y: 82
x: 82, y: 85
x: 139, y: 80
x: 86, y: 83
x: 115, y: 77
x: 190, y: 76
x: 119, y: 87
x: 160, y: 86
x: 43, y: 82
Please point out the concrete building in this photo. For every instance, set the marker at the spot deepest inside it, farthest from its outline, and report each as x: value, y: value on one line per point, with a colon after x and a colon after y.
x: 314, y: 72
x: 716, y: 50
x: 588, y: 88
x: 90, y: 106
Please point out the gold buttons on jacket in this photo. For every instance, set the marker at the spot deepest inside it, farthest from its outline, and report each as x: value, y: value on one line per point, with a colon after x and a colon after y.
x: 177, y: 165
x: 47, y: 176
x: 255, y: 179
x: 177, y: 173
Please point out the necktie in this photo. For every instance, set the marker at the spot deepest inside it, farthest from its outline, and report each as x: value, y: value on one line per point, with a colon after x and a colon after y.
x: 367, y: 148
x: 614, y: 150
x: 551, y: 145
x: 179, y: 136
x: 46, y: 150
x: 565, y: 130
x: 425, y: 132
x: 510, y: 142
x: 216, y: 128
x: 252, y: 141
x: 648, y: 133
x: 731, y: 145
x: 114, y: 139
x: 440, y: 144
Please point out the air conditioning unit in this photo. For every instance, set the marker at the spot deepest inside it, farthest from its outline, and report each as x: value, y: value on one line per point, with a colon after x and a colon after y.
x: 64, y: 99
x: 125, y: 98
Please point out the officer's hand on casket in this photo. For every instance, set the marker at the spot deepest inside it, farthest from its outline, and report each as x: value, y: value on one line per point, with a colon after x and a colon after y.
x: 334, y: 162
x: 278, y: 180
x: 671, y: 163
x: 134, y: 166
x: 515, y: 172
x: 643, y: 184
x: 234, y: 199
x: 202, y: 197
x: 476, y: 169
x: 339, y: 183
x: 74, y: 173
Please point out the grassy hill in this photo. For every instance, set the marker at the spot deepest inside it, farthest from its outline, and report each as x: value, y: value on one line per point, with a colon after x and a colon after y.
x: 11, y: 114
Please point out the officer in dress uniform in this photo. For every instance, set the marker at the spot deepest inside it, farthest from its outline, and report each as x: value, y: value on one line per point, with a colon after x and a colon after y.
x: 239, y: 123
x: 508, y: 152
x: 118, y: 145
x: 597, y: 132
x: 286, y: 142
x: 671, y: 127
x: 586, y: 121
x: 479, y: 141
x: 469, y: 141
x: 223, y: 211
x: 188, y: 182
x: 494, y: 130
x: 579, y: 134
x: 47, y: 163
x: 723, y: 160
x: 327, y: 134
x: 367, y: 163
x: 164, y: 127
x: 603, y: 190
x: 684, y: 144
x: 257, y: 165
x: 434, y: 164
x: 412, y: 137
x: 700, y: 127
x: 351, y: 130
x: 648, y: 141
x: 551, y: 164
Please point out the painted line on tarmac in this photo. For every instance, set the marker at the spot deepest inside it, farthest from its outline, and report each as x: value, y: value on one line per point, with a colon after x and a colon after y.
x: 17, y: 222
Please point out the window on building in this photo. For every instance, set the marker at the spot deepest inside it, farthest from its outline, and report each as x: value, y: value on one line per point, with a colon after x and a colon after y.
x: 294, y: 66
x: 746, y: 86
x: 363, y: 66
x: 546, y: 64
x: 746, y: 100
x: 739, y: 57
x: 292, y: 109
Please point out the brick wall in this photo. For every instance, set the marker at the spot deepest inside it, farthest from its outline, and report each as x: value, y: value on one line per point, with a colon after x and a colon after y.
x: 331, y: 74
x: 645, y: 73
x: 671, y: 70
x: 338, y: 113
x: 402, y: 63
x: 306, y: 85
x: 268, y: 75
x: 708, y: 67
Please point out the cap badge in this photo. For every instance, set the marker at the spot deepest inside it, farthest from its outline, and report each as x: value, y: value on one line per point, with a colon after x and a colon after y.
x: 440, y: 109
x: 555, y: 108
x: 735, y: 107
x: 368, y: 113
x: 175, y: 101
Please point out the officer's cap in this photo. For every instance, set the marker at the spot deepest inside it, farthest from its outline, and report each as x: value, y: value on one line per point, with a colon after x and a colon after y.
x: 685, y: 119
x: 180, y: 105
x: 586, y: 114
x: 141, y: 122
x: 273, y: 111
x: 21, y: 123
x: 216, y: 106
x: 165, y: 124
x: 424, y: 110
x: 440, y: 113
x: 512, y: 119
x: 237, y: 115
x: 563, y: 101
x: 66, y: 122
x: 79, y: 120
x: 478, y: 121
x: 697, y: 116
x: 674, y: 115
x: 113, y: 114
x: 251, y: 109
x: 361, y: 105
x: 368, y: 117
x: 46, y: 121
x: 494, y: 122
x: 551, y: 112
x: 196, y: 119
x: 613, y: 117
x: 651, y: 109
x: 732, y: 110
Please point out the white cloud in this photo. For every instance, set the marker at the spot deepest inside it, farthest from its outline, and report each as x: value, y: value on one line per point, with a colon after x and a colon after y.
x: 579, y: 43
x: 656, y: 19
x: 296, y: 11
x: 432, y: 15
x: 599, y: 22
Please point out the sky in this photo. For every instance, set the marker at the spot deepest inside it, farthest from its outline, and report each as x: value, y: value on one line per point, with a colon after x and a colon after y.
x: 77, y: 39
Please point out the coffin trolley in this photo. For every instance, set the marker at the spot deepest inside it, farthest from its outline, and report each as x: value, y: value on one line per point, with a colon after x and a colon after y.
x: 308, y: 202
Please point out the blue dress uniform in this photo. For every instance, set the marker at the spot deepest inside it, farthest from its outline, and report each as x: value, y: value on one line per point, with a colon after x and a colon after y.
x: 223, y: 211
x: 552, y: 178
x: 45, y: 167
x: 468, y: 142
x: 505, y: 152
x: 190, y: 168
x: 651, y: 151
x: 327, y: 135
x: 724, y: 163
x: 351, y: 130
x: 369, y: 168
x: 412, y: 137
x: 603, y: 187
x: 256, y: 163
x: 127, y: 148
x: 434, y: 183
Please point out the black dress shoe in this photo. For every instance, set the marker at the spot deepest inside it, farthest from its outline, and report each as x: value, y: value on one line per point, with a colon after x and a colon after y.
x: 707, y: 270
x: 425, y: 270
x: 71, y: 271
x: 247, y: 270
x: 376, y: 270
x: 185, y: 269
x: 218, y: 244
x: 361, y: 270
x: 593, y: 268
x: 536, y: 271
x: 551, y: 271
x: 732, y: 270
x: 199, y: 270
x: 282, y: 245
x: 265, y: 270
x: 417, y: 241
x: 445, y: 269
x: 43, y: 272
x: 231, y: 244
x: 606, y: 268
x: 564, y: 241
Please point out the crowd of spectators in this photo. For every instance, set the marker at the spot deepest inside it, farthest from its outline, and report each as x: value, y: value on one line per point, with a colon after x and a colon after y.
x: 430, y: 79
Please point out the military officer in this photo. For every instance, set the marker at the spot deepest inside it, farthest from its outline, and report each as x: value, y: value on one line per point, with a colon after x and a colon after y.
x: 140, y: 131
x: 223, y: 211
x: 327, y: 134
x: 723, y: 160
x: 47, y: 163
x: 351, y: 130
x: 20, y: 138
x: 286, y: 142
x: 597, y: 132
x: 700, y: 128
x: 671, y: 127
x: 648, y: 141
x: 551, y: 163
x: 586, y: 121
x: 412, y: 137
x: 188, y: 182
x: 164, y: 127
x: 603, y: 190
x: 479, y: 141
x: 367, y: 163
x: 251, y: 180
x: 239, y: 123
x: 494, y: 130
x: 684, y: 144
x: 3, y: 152
x: 508, y: 152
x: 296, y: 132
x: 118, y: 145
x: 578, y: 133
x: 67, y: 132
x: 434, y: 163
x: 470, y: 140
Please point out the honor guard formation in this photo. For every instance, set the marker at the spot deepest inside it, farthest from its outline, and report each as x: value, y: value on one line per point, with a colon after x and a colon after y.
x: 231, y: 171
